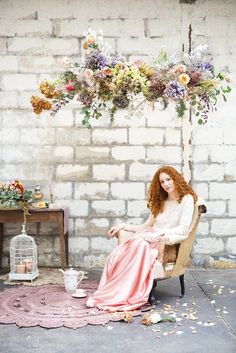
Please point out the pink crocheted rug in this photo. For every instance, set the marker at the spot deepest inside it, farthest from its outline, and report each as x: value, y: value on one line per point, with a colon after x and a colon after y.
x: 49, y: 306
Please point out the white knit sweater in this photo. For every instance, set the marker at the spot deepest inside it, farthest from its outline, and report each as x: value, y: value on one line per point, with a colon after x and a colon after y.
x: 175, y: 220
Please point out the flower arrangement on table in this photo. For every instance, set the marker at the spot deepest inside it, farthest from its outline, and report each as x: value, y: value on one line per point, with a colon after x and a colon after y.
x: 14, y: 195
x: 106, y: 81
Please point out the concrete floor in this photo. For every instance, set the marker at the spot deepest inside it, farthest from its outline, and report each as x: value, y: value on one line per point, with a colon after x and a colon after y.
x: 211, y: 293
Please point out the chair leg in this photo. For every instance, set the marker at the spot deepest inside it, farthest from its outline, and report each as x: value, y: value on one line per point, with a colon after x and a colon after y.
x: 181, y: 278
x: 152, y: 298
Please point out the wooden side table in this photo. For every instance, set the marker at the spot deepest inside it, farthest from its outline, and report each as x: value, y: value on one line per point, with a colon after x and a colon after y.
x: 37, y: 216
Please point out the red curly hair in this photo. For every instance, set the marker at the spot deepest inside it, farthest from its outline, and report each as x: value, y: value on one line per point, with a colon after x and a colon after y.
x: 157, y: 195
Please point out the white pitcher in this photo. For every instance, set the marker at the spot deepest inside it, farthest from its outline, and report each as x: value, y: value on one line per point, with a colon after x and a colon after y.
x: 72, y: 278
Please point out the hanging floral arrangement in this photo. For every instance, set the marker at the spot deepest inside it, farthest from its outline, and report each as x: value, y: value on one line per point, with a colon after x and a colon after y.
x: 103, y: 80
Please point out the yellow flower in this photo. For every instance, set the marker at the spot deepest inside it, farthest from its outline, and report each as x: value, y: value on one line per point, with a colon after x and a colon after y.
x: 184, y: 79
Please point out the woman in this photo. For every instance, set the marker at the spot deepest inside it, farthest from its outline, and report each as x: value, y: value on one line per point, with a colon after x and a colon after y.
x: 127, y: 277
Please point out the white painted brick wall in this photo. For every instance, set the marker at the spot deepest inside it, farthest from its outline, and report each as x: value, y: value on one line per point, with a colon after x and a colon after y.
x: 109, y: 172
x: 91, y: 191
x: 145, y: 136
x: 127, y: 191
x: 69, y: 172
x: 103, y: 174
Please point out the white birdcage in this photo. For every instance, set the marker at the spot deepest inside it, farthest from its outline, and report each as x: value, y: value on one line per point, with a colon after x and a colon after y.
x: 23, y: 257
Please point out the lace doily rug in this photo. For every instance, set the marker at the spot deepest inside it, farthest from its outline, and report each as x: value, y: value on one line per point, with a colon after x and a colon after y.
x: 46, y: 276
x: 49, y: 306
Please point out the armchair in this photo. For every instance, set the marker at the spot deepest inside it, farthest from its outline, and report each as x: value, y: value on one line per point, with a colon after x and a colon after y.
x: 176, y: 257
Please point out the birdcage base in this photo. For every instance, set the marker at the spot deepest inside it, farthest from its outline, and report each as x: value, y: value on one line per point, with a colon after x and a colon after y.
x: 23, y: 276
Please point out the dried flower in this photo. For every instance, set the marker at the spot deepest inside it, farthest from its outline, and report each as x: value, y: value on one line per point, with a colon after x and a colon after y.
x: 184, y: 79
x: 39, y: 104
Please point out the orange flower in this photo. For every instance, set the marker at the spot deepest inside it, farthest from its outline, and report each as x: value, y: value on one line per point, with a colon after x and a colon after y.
x: 107, y: 71
x: 85, y: 45
x: 39, y: 104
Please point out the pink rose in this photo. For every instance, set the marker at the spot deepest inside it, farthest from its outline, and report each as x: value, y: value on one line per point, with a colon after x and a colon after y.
x: 88, y: 73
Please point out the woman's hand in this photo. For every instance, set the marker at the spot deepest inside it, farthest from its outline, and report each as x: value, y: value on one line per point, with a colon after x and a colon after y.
x: 113, y: 232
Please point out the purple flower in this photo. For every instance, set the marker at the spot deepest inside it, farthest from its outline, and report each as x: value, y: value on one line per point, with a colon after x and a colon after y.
x: 175, y: 90
x: 96, y: 60
x: 117, y: 58
x: 205, y: 65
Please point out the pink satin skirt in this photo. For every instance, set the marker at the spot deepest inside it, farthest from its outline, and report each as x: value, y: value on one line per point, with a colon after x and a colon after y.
x: 127, y: 277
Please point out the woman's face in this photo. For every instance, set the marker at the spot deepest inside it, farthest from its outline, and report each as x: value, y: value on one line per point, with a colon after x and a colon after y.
x: 167, y: 183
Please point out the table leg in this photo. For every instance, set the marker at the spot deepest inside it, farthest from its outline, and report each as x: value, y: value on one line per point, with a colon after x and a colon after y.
x: 66, y: 247
x: 1, y: 243
x: 62, y: 240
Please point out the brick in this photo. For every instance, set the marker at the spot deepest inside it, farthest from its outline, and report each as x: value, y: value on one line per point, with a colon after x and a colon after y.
x: 203, y: 172
x: 23, y: 172
x: 76, y: 245
x: 26, y: 27
x: 161, y: 154
x: 223, y: 191
x: 25, y: 45
x: 3, y: 46
x: 94, y: 261
x: 73, y: 136
x: 208, y: 246
x: 31, y: 136
x: 103, y: 121
x: 108, y: 172
x: 223, y: 226
x: 8, y: 99
x: 103, y: 244
x: 10, y: 136
x: 105, y: 137
x: 144, y: 45
x: 95, y: 226
x: 137, y: 208
x: 231, y: 245
x: 16, y: 118
x: 69, y: 172
x: 69, y: 27
x: 202, y: 190
x: 108, y: 208
x: 232, y: 208
x: 158, y: 117
x: 208, y: 136
x: 161, y: 26
x: 126, y: 153
x: 13, y: 11
x: 128, y: 191
x: 64, y: 154
x: 172, y: 136
x: 60, y: 46
x: 229, y: 136
x: 16, y: 155
x: 19, y: 82
x: 124, y: 118
x: 91, y: 191
x: 39, y: 64
x: 223, y: 153
x: 145, y: 136
x: 201, y: 154
x: 216, y: 208
x: 144, y: 172
x: 120, y: 27
x: 92, y: 154
x: 203, y: 228
x: 62, y: 190
x: 9, y: 63
x: 64, y: 118
x: 77, y: 208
